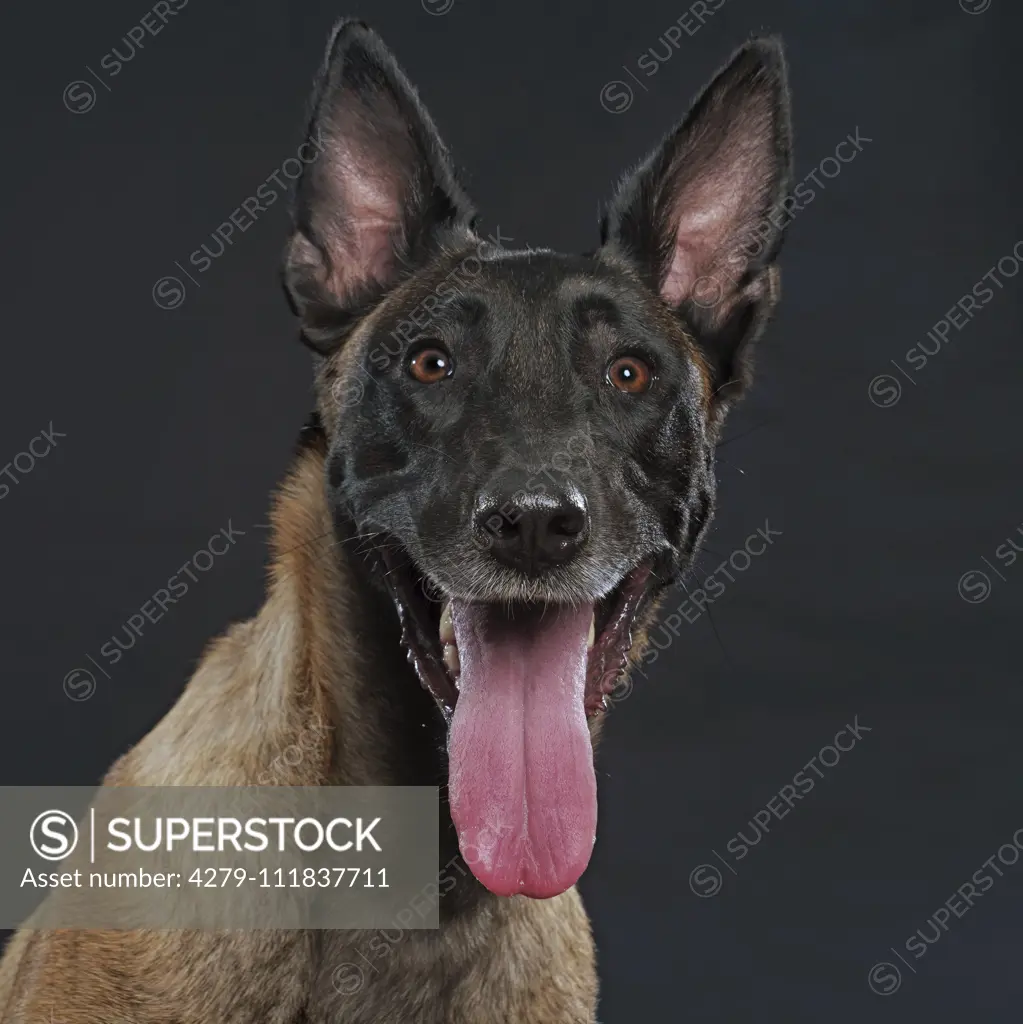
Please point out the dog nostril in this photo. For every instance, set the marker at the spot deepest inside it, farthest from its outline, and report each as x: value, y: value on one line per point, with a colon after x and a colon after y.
x: 567, y: 525
x: 494, y: 525
x: 509, y: 520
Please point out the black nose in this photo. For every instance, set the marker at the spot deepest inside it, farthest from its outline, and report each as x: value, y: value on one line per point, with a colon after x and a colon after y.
x: 532, y: 530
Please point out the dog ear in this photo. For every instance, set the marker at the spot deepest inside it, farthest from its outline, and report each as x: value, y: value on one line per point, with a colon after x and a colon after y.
x: 376, y: 187
x: 700, y: 218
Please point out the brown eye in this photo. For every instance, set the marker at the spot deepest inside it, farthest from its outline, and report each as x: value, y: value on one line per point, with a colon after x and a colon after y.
x: 630, y: 374
x: 430, y: 365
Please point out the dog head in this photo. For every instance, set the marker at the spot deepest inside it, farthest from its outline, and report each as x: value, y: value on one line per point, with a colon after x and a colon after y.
x: 521, y: 441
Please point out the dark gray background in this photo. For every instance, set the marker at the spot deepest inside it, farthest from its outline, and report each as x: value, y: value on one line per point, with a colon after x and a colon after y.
x: 178, y: 421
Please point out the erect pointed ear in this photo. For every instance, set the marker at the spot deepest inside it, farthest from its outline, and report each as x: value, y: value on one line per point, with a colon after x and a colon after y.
x: 376, y: 190
x: 701, y: 216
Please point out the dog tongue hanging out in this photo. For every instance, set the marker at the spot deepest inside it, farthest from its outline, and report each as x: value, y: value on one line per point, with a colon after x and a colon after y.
x: 522, y: 787
x: 521, y: 442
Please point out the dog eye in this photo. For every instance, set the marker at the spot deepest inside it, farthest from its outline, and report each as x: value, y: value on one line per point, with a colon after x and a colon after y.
x: 430, y: 365
x: 630, y: 374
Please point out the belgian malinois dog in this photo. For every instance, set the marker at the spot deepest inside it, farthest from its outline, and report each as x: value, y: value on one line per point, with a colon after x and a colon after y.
x: 511, y: 459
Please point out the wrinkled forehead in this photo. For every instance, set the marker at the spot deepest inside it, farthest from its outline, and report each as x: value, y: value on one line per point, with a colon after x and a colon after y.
x: 522, y: 297
x: 555, y: 282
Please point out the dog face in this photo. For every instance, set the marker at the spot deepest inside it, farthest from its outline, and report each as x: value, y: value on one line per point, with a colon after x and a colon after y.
x: 522, y: 442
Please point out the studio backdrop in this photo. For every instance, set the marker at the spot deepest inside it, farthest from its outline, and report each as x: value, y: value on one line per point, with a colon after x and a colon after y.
x: 810, y: 802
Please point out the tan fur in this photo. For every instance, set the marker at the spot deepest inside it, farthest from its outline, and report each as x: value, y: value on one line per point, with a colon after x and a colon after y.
x: 299, y: 675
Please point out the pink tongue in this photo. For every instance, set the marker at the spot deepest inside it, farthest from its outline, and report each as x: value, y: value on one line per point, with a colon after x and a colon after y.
x: 522, y: 788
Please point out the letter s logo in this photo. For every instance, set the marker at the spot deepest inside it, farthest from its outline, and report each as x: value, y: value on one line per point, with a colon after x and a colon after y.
x: 53, y: 835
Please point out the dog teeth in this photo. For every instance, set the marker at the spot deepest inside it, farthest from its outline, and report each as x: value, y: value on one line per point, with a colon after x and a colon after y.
x: 454, y: 666
x: 447, y: 638
x: 447, y: 626
x: 592, y: 638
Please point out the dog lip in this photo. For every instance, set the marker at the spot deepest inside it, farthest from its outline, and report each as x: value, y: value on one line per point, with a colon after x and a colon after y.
x: 556, y: 586
x: 413, y: 615
x: 608, y: 658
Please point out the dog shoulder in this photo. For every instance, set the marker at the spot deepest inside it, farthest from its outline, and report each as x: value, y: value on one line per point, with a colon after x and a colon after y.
x: 231, y: 726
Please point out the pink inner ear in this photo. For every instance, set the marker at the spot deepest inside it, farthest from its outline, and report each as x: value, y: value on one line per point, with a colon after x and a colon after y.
x: 700, y: 236
x: 366, y: 250
x: 678, y: 283
x: 709, y: 239
x: 719, y: 191
x: 366, y: 220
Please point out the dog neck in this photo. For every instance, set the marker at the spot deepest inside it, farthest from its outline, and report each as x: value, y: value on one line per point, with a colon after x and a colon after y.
x: 342, y: 666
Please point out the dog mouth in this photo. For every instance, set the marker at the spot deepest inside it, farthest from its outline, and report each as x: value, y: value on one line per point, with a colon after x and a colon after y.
x: 429, y: 636
x: 518, y: 683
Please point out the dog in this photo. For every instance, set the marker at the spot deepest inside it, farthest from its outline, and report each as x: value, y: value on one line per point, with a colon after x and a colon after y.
x: 511, y: 459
